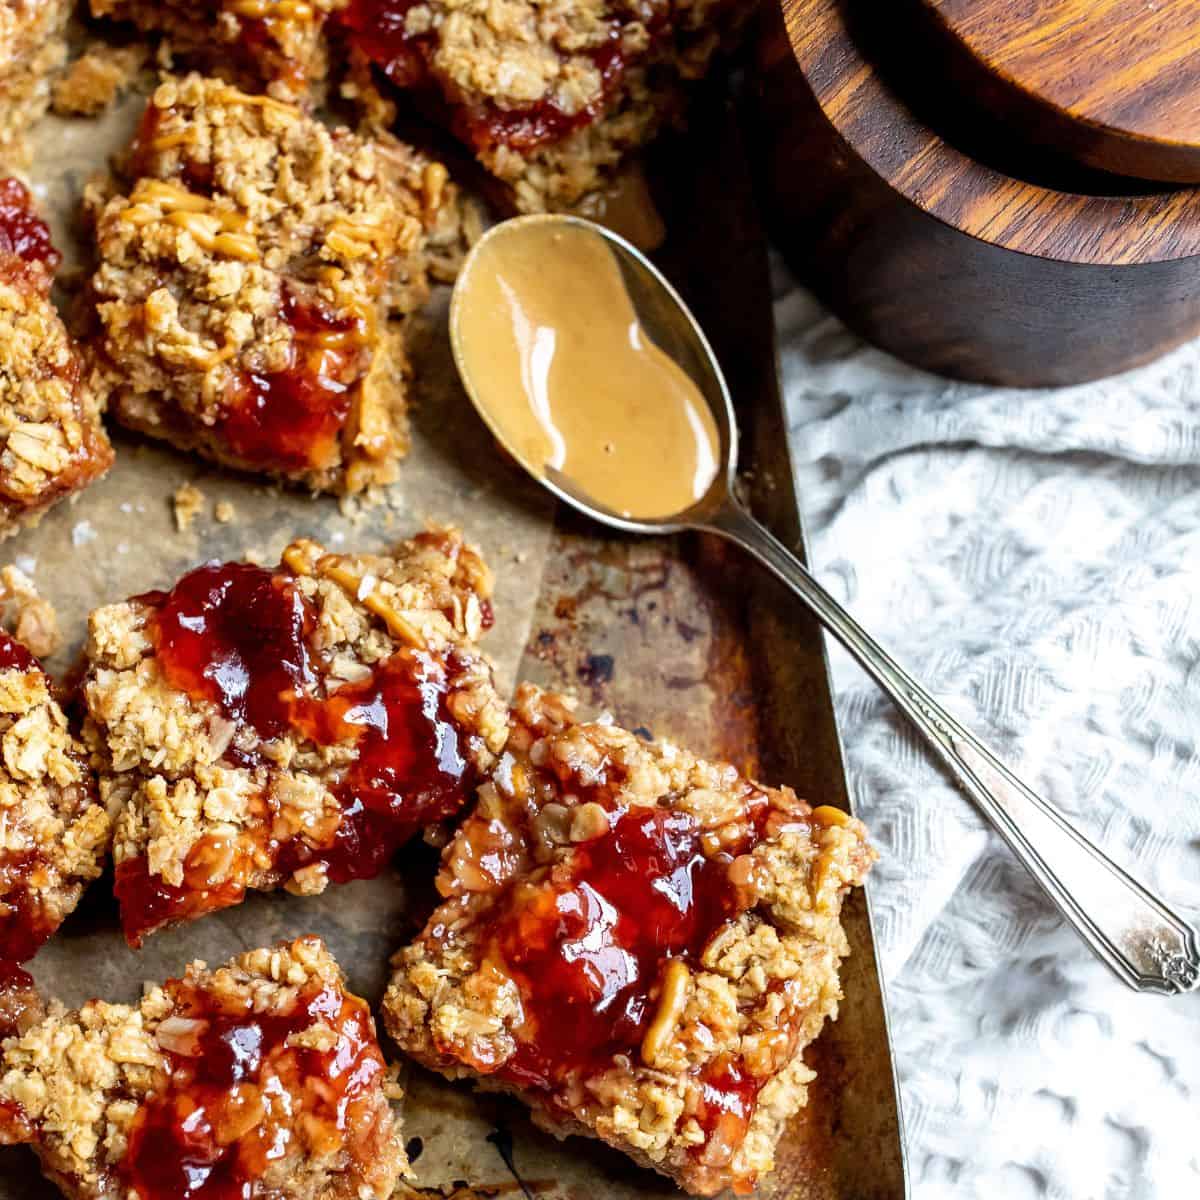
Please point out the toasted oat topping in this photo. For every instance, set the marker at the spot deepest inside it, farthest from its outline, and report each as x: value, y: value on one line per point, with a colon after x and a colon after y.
x: 636, y: 941
x: 54, y: 836
x: 549, y: 93
x: 276, y: 43
x: 31, y: 51
x: 246, y: 272
x: 262, y: 1078
x: 288, y: 727
x: 51, y: 439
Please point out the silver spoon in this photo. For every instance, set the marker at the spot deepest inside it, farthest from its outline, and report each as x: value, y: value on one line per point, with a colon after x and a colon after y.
x: 1149, y: 947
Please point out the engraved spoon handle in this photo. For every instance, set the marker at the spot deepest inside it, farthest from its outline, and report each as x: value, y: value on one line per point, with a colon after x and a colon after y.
x: 1146, y: 945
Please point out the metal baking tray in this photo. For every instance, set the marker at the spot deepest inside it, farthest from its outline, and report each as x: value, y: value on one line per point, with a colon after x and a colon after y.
x: 676, y: 637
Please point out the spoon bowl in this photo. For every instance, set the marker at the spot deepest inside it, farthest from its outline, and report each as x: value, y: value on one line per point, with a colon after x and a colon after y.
x: 1146, y: 945
x: 667, y: 323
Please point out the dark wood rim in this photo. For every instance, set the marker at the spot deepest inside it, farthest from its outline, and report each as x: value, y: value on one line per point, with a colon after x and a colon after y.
x: 945, y: 183
x: 1144, y: 148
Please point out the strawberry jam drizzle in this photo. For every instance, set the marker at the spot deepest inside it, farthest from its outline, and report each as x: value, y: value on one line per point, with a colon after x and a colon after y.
x: 24, y: 925
x: 291, y: 419
x: 238, y: 1097
x: 377, y: 29
x: 22, y: 231
x: 587, y: 948
x: 148, y: 902
x: 237, y: 635
x: 14, y: 656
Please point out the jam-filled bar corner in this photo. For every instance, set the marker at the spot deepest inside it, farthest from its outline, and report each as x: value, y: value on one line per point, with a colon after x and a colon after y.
x: 637, y: 943
x: 261, y: 1078
x: 260, y: 728
x: 249, y: 260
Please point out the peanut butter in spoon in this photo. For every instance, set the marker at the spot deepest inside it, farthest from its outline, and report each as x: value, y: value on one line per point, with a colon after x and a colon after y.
x: 564, y: 372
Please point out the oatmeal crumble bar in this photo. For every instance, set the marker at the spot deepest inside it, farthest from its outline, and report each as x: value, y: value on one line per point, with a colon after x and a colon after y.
x: 261, y: 1079
x: 292, y: 727
x: 51, y: 439
x: 31, y: 51
x: 248, y: 262
x: 638, y: 943
x: 272, y: 43
x: 54, y: 836
x: 550, y: 94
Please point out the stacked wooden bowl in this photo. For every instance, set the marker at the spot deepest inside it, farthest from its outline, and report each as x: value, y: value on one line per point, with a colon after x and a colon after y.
x: 1002, y: 190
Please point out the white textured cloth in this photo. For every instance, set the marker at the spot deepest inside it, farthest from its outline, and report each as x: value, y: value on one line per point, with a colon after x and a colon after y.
x: 1033, y: 557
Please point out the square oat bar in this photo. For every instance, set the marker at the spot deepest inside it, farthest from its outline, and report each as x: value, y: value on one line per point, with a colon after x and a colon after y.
x: 272, y: 43
x: 261, y: 1079
x: 54, y: 836
x: 637, y: 943
x: 247, y: 265
x: 51, y: 440
x: 292, y: 727
x: 31, y: 51
x: 551, y: 95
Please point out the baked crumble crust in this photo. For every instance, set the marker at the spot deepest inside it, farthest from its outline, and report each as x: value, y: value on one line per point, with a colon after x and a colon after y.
x: 638, y: 943
x: 51, y: 440
x: 273, y: 43
x: 54, y: 836
x: 550, y: 94
x: 96, y: 78
x: 291, y: 728
x: 248, y: 260
x: 272, y: 1062
x: 31, y: 52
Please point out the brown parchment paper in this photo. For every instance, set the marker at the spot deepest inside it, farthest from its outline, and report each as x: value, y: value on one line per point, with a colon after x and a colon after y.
x: 665, y: 633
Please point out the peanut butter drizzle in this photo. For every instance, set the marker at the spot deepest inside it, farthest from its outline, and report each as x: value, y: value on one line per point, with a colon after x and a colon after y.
x: 549, y: 338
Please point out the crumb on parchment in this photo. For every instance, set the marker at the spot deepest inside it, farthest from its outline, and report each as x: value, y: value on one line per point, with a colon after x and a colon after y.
x: 31, y: 618
x: 188, y: 502
x: 97, y: 78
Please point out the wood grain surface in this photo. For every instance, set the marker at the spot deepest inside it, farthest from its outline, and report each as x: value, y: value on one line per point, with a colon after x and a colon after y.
x: 936, y: 254
x: 1115, y: 83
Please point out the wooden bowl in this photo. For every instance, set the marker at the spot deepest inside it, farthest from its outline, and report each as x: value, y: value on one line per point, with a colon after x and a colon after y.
x: 935, y: 230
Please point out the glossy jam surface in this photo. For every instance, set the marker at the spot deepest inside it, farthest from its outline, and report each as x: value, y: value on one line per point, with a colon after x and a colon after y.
x: 587, y: 950
x: 291, y: 419
x: 24, y: 925
x: 14, y: 656
x: 238, y: 1097
x: 148, y: 902
x: 410, y: 769
x: 239, y: 636
x: 235, y: 634
x: 728, y: 1096
x: 22, y: 231
x: 377, y: 29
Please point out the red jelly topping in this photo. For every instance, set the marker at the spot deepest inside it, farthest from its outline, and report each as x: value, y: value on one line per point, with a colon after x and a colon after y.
x: 238, y: 1097
x: 237, y: 635
x: 22, y: 231
x: 14, y: 656
x: 377, y: 28
x: 291, y: 419
x: 587, y: 948
x: 410, y: 769
x: 24, y: 925
x: 148, y: 902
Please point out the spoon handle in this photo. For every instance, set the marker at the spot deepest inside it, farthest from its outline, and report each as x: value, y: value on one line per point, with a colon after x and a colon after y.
x: 1146, y: 945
